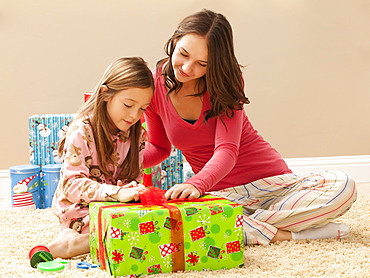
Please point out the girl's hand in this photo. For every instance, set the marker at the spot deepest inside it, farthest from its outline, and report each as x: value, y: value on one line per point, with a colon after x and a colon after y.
x: 128, y: 192
x: 129, y: 185
x: 183, y: 190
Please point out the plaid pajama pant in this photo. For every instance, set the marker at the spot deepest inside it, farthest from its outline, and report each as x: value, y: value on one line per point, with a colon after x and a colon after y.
x: 291, y: 202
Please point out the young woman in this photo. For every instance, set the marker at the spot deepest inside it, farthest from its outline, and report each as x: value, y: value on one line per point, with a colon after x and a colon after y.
x: 102, y: 153
x: 198, y: 108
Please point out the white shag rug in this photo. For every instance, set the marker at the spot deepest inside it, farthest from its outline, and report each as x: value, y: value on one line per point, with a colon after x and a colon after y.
x: 350, y: 257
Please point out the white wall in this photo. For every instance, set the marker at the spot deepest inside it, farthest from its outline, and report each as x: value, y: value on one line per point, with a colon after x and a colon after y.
x: 307, y: 74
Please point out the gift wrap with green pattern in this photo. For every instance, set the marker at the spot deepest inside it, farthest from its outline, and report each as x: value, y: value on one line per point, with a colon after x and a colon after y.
x: 134, y: 240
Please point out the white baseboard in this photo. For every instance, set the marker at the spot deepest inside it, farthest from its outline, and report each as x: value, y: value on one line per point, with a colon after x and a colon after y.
x: 4, y: 182
x: 5, y: 193
x: 358, y: 166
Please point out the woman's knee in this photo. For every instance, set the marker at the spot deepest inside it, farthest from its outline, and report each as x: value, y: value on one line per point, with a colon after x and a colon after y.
x: 348, y: 184
x: 347, y: 191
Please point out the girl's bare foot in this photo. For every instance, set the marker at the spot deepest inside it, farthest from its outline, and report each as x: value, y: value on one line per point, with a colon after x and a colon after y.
x: 68, y: 244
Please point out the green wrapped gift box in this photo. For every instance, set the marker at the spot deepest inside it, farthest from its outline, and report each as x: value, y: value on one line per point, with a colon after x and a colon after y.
x: 134, y: 240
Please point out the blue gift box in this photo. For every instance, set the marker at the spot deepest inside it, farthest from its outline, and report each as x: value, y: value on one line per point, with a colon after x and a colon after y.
x: 45, y: 132
x: 172, y: 169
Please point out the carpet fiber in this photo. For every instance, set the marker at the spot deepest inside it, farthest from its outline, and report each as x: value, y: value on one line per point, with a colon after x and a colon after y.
x: 350, y: 257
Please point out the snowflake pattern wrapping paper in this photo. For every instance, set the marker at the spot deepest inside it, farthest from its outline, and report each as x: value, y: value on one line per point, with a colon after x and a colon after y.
x: 45, y: 132
x: 172, y: 170
x: 177, y: 236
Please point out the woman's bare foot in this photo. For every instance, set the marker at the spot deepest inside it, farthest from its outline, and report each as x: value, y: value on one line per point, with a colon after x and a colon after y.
x: 281, y: 236
x: 68, y: 244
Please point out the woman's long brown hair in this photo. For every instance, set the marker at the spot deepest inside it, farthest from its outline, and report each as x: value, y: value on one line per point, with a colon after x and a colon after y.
x: 223, y: 79
x: 124, y: 73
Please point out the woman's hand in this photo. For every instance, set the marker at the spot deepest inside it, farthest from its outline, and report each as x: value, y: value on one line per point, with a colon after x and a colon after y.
x: 183, y: 190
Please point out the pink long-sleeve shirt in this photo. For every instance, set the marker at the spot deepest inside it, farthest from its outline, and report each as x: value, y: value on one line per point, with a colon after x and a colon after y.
x: 221, y: 155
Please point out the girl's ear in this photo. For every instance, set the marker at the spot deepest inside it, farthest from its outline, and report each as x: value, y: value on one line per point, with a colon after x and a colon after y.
x: 103, y: 90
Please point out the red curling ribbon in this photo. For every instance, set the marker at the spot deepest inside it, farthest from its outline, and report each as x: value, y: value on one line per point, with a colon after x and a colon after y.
x: 147, y: 180
x: 155, y: 196
x: 152, y: 196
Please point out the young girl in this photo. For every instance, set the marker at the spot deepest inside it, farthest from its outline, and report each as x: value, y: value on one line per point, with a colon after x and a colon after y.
x: 198, y: 108
x: 102, y: 153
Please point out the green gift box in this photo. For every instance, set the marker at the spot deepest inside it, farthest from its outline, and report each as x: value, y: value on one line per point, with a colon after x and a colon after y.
x: 130, y: 239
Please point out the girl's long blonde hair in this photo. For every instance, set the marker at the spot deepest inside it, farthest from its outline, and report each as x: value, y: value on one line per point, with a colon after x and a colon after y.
x: 122, y: 74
